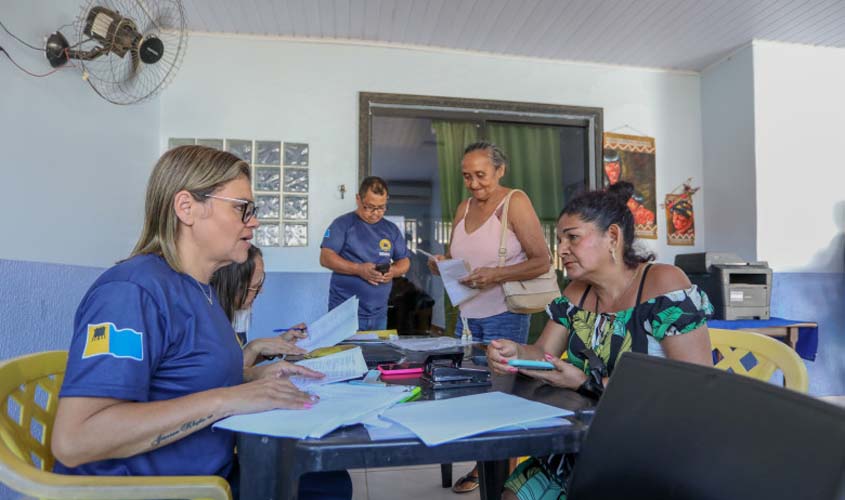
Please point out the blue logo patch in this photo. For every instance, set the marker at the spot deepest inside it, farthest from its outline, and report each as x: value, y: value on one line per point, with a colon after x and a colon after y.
x: 328, y: 232
x: 105, y: 338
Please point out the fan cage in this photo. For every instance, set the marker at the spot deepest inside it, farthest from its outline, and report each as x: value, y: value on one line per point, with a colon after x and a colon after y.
x: 127, y: 79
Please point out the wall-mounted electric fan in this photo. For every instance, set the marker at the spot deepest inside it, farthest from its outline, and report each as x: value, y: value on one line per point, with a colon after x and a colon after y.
x: 128, y: 50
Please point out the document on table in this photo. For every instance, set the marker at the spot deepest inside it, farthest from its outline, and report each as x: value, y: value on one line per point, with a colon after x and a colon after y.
x: 378, y: 431
x: 333, y: 327
x: 451, y: 271
x: 337, y: 367
x: 426, y: 344
x: 468, y: 415
x: 339, y: 405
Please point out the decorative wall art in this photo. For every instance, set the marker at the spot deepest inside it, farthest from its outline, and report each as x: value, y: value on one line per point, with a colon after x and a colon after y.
x: 631, y: 158
x: 680, y: 216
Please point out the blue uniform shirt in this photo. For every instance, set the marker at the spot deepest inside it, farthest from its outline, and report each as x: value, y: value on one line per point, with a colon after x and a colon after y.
x: 145, y: 332
x: 357, y: 241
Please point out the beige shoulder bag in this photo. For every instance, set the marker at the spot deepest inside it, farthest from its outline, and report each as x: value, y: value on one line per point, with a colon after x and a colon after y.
x: 527, y: 296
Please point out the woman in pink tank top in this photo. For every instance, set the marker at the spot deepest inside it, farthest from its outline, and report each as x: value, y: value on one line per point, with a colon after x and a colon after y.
x: 475, y: 239
x: 476, y: 230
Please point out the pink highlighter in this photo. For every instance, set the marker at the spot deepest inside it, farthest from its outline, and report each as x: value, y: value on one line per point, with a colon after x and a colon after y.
x: 400, y: 369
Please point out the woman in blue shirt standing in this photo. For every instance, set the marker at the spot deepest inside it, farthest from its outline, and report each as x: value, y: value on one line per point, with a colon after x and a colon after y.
x: 154, y: 361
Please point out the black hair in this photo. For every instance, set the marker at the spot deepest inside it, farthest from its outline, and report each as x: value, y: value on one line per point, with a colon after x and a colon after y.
x: 232, y: 282
x: 374, y: 184
x: 497, y: 156
x: 605, y: 208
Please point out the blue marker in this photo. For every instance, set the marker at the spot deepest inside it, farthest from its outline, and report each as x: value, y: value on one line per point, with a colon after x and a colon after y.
x: 279, y: 330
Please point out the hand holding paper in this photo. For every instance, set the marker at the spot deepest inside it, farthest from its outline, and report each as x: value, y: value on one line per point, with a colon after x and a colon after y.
x: 452, y: 271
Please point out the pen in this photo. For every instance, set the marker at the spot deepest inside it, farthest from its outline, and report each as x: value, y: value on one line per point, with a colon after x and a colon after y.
x: 415, y: 393
x: 279, y: 330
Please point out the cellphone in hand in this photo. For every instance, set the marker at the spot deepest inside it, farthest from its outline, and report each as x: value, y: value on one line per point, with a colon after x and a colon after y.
x: 530, y: 364
x: 383, y: 267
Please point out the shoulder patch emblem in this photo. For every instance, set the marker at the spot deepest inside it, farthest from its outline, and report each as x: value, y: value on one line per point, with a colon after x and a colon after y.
x: 328, y: 233
x: 107, y: 339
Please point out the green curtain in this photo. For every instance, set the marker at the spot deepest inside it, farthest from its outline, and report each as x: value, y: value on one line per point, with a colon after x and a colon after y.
x: 535, y: 164
x: 452, y: 138
x: 535, y: 167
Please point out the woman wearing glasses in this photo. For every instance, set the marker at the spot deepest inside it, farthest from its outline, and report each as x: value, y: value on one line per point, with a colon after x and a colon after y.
x: 237, y: 285
x: 153, y: 361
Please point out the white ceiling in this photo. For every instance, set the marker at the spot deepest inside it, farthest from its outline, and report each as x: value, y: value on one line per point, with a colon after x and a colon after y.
x: 673, y: 34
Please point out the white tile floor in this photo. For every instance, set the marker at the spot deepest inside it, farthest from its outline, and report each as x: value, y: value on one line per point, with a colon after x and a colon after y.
x: 416, y: 482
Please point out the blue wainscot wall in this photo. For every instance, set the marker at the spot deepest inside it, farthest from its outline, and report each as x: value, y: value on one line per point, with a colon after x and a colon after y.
x: 38, y: 301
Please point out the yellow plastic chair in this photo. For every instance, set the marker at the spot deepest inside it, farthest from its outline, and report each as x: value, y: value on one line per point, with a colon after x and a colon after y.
x: 733, y: 345
x: 29, y: 390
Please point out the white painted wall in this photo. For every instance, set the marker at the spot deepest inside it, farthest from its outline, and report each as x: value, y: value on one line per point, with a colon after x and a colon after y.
x: 243, y: 87
x: 800, y: 119
x: 74, y: 167
x: 727, y: 113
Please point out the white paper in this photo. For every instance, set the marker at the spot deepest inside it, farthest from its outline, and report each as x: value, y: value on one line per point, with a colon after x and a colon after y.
x: 427, y: 343
x: 468, y: 415
x: 364, y: 336
x: 339, y: 405
x: 451, y: 271
x: 343, y: 365
x: 333, y: 327
x: 382, y: 430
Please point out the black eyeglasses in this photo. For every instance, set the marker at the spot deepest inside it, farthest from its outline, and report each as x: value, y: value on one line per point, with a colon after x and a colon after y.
x: 246, y: 207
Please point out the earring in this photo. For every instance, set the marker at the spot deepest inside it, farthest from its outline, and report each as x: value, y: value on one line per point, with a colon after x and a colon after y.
x: 613, y: 255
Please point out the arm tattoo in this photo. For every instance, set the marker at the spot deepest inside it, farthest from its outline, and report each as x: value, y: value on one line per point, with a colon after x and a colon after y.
x: 165, y: 437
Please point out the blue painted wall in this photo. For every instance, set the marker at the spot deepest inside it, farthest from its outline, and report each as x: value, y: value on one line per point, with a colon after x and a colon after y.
x: 38, y: 301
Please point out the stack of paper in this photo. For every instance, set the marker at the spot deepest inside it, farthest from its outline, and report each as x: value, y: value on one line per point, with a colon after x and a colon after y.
x: 339, y: 405
x: 344, y: 365
x: 437, y: 422
x: 383, y: 430
x: 427, y: 343
x: 338, y: 324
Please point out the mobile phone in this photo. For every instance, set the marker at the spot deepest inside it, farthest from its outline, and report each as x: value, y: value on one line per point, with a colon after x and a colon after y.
x: 530, y: 364
x: 383, y: 267
x: 393, y: 369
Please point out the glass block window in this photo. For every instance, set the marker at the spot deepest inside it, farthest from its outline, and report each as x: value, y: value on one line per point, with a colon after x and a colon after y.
x: 296, y: 235
x: 296, y: 154
x: 268, y: 206
x: 212, y: 143
x: 296, y: 207
x: 240, y: 148
x: 175, y: 142
x: 268, y: 152
x: 267, y: 235
x: 267, y: 179
x: 281, y: 192
x: 296, y: 180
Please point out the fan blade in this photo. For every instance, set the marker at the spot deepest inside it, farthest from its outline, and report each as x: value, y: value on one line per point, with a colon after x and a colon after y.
x: 136, y: 63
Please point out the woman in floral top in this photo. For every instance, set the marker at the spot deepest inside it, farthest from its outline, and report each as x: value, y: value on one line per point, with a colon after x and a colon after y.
x: 617, y: 301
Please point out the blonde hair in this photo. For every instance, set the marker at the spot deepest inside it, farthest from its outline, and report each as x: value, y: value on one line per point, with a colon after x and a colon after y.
x: 197, y: 169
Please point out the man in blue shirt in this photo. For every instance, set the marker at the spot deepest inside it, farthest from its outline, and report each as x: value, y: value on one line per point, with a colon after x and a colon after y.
x: 365, y: 252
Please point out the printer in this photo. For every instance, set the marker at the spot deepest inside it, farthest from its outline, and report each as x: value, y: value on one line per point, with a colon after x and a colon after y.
x: 738, y: 289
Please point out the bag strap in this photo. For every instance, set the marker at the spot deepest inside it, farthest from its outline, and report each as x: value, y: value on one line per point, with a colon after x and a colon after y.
x: 503, y: 252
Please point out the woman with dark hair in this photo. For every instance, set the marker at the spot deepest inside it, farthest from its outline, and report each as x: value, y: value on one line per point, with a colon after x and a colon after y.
x: 237, y: 286
x: 617, y: 301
